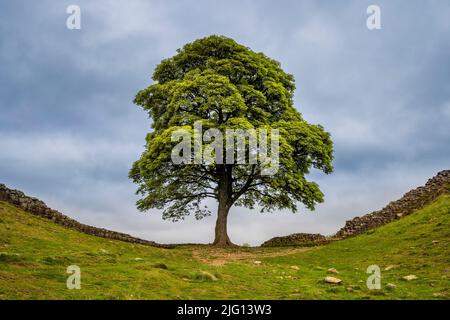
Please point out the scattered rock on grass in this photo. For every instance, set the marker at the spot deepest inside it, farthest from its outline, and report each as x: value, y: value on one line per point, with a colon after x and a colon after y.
x: 257, y: 262
x: 209, y: 276
x: 391, y: 286
x: 409, y: 277
x: 294, y: 267
x: 332, y: 270
x: 332, y: 280
x: 389, y: 267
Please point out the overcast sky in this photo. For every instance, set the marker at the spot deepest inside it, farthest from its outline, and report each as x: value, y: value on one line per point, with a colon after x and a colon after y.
x: 69, y: 131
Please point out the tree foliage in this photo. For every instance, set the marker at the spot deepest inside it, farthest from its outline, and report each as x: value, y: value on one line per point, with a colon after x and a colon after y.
x: 226, y: 85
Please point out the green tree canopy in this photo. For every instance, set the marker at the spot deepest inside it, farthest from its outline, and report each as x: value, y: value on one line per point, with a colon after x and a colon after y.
x: 226, y: 85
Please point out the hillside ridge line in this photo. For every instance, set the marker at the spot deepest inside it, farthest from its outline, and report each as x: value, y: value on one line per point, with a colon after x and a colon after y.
x: 39, y: 208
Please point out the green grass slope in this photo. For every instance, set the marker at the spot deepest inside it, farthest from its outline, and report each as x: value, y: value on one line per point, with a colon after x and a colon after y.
x: 34, y: 255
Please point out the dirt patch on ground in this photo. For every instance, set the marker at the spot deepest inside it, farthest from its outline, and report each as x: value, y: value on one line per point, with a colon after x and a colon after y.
x: 220, y: 256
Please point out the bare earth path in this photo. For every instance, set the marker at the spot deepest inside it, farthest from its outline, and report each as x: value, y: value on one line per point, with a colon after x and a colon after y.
x: 220, y: 256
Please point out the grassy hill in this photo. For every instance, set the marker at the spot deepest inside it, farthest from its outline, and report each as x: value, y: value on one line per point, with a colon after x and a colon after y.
x: 34, y: 255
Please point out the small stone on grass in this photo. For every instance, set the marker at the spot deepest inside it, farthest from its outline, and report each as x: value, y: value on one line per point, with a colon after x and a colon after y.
x: 209, y: 276
x: 332, y: 270
x: 332, y: 280
x: 409, y: 277
x: 389, y: 267
x: 391, y: 286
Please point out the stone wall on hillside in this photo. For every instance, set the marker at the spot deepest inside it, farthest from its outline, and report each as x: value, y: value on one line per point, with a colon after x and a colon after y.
x: 410, y: 202
x: 296, y: 239
x: 39, y: 208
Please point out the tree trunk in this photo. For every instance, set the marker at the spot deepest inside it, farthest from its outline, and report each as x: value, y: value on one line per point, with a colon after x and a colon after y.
x: 225, y: 203
x: 221, y: 238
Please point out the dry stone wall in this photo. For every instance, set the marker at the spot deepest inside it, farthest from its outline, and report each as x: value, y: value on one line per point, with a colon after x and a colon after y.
x: 39, y: 208
x: 296, y: 239
x: 410, y: 202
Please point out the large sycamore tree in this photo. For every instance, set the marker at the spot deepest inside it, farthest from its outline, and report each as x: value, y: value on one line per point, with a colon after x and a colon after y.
x: 226, y: 85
